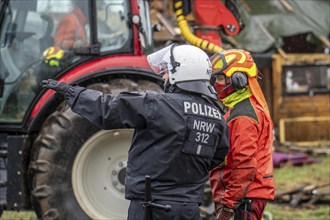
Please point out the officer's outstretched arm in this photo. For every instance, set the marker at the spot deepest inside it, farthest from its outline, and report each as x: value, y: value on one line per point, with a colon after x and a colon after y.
x: 106, y: 111
x: 89, y: 106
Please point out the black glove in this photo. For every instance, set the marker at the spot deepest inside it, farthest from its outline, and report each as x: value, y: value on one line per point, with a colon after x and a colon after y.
x: 60, y: 87
x: 224, y: 213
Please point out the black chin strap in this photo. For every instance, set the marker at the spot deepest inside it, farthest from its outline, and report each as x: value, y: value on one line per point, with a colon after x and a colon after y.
x: 225, y: 88
x: 173, y: 62
x: 168, y: 88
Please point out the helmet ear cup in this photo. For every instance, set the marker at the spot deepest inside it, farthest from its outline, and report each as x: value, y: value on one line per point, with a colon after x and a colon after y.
x: 239, y: 80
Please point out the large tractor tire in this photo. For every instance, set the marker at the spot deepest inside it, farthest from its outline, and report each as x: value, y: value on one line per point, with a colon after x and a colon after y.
x: 78, y: 170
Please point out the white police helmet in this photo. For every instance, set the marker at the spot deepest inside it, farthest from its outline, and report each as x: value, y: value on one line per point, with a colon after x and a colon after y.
x: 188, y: 66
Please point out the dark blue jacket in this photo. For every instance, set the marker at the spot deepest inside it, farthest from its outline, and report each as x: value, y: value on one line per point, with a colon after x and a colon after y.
x: 178, y: 138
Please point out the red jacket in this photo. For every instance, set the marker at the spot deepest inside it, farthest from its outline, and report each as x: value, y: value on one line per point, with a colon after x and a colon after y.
x: 249, y: 169
x: 71, y: 29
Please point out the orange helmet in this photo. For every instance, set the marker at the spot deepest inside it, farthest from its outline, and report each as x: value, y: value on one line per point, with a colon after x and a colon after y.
x: 231, y: 61
x: 235, y: 63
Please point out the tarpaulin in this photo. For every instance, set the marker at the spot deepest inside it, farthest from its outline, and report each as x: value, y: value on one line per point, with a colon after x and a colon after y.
x: 267, y: 21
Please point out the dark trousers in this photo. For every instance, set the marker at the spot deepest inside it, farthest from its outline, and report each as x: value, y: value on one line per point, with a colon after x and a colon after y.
x: 179, y: 211
x: 251, y: 210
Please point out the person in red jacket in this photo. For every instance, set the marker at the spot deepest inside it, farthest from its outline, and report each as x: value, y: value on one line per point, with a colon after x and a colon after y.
x: 70, y: 32
x: 243, y: 186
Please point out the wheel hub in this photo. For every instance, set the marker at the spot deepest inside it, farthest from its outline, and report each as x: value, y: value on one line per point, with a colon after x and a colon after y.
x: 118, y: 176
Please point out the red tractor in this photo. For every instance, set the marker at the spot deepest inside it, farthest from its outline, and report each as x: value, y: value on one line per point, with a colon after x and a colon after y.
x: 52, y: 160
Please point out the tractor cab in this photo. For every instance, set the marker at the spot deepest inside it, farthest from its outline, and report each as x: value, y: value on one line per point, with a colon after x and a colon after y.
x: 32, y: 48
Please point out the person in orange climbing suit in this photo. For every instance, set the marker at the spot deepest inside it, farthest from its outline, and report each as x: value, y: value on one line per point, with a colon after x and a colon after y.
x: 243, y: 185
x: 70, y: 32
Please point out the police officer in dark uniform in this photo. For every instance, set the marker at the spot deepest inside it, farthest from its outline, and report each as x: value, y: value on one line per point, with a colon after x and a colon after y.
x: 180, y: 135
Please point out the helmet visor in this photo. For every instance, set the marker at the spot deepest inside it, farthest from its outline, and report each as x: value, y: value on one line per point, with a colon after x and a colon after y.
x: 159, y: 61
x: 219, y: 63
